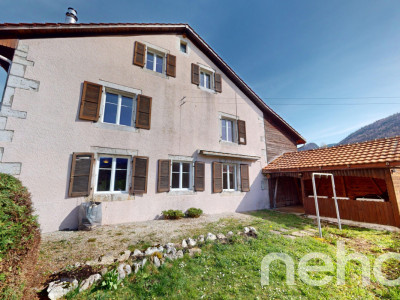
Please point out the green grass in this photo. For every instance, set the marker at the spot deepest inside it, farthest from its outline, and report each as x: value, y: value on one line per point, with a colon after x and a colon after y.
x: 232, y: 271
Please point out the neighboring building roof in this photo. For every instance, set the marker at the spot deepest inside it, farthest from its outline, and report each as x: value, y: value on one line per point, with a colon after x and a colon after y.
x: 372, y: 154
x: 57, y: 30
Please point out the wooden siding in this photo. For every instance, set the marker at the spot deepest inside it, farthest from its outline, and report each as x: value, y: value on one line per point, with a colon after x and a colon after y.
x: 393, y: 181
x: 360, y: 211
x: 277, y: 142
x: 287, y: 192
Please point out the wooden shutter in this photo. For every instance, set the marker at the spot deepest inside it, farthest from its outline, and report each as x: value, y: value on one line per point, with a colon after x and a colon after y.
x: 164, y: 172
x: 244, y: 178
x: 199, y: 173
x: 195, y: 74
x: 241, y: 132
x: 139, y: 54
x: 140, y: 168
x: 143, y: 112
x: 81, y: 174
x: 90, y: 101
x: 218, y: 83
x: 171, y: 65
x: 217, y: 177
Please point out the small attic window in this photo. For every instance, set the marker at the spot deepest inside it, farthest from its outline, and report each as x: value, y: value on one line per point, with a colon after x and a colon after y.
x: 183, y: 47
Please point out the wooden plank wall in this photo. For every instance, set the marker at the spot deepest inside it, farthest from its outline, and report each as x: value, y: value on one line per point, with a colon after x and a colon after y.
x: 393, y: 181
x: 276, y: 141
x: 360, y: 211
x: 287, y: 193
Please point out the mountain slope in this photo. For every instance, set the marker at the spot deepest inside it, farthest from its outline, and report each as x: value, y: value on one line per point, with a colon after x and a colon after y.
x: 387, y: 127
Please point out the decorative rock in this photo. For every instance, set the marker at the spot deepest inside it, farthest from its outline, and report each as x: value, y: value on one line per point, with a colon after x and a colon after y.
x: 229, y: 234
x: 103, y: 271
x: 211, y: 237
x: 200, y: 239
x: 170, y: 249
x: 143, y: 262
x: 124, y: 256
x: 191, y: 242
x: 184, y: 244
x: 179, y: 254
x: 246, y: 230
x: 58, y: 289
x: 136, y: 267
x: 160, y: 248
x: 151, y: 250
x: 88, y: 282
x: 156, y: 261
x: 121, y: 271
x: 128, y: 269
x: 106, y: 260
x: 137, y: 252
x: 194, y: 251
x: 221, y: 236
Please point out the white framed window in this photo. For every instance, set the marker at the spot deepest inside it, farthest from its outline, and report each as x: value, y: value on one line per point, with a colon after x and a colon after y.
x: 181, y: 175
x: 119, y: 108
x: 155, y: 61
x: 228, y: 130
x: 206, y: 79
x: 112, y: 173
x: 229, y: 177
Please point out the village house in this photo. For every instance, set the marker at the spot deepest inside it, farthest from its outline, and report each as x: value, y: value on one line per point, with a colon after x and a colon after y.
x: 139, y: 117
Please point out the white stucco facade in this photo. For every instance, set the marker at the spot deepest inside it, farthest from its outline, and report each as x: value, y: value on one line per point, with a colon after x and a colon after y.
x: 43, y: 142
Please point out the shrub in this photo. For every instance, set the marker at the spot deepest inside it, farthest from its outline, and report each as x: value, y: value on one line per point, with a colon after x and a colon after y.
x: 173, y: 214
x: 20, y: 238
x: 110, y: 281
x: 194, y: 212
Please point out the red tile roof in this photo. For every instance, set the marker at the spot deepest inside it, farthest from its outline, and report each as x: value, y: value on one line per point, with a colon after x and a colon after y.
x: 57, y: 30
x: 371, y: 154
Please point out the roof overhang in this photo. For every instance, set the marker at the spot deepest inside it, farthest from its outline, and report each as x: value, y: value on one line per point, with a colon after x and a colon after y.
x: 228, y: 155
x: 59, y: 30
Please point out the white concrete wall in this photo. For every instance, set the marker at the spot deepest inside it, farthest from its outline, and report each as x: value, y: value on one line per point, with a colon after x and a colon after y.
x: 44, y: 142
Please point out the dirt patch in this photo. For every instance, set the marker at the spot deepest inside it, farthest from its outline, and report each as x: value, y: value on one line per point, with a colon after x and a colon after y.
x: 63, y: 248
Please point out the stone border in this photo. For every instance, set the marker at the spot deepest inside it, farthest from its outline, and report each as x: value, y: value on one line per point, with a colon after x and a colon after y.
x: 16, y: 80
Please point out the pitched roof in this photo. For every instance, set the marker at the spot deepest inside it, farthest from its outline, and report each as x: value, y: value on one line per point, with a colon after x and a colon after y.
x: 57, y: 30
x: 372, y: 154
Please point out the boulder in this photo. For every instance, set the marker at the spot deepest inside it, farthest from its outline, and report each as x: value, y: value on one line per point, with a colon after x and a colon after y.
x: 179, y: 254
x: 194, y: 251
x: 137, y: 252
x: 121, y: 271
x: 221, y: 236
x: 136, y: 267
x: 229, y: 234
x: 156, y: 261
x: 246, y: 230
x: 200, y: 239
x: 106, y: 259
x: 58, y: 289
x: 88, y: 282
x: 127, y: 269
x: 170, y: 249
x: 184, y: 244
x: 211, y: 237
x: 151, y: 250
x: 191, y: 242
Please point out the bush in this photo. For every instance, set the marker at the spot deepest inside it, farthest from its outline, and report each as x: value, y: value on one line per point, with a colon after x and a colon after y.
x: 20, y: 238
x: 194, y: 212
x: 173, y: 214
x: 110, y: 281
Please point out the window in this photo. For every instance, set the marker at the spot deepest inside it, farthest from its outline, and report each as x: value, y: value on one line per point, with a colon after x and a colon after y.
x: 229, y: 181
x: 112, y: 175
x: 227, y: 130
x: 180, y: 178
x: 205, y: 80
x: 119, y: 109
x: 155, y: 62
x: 183, y: 47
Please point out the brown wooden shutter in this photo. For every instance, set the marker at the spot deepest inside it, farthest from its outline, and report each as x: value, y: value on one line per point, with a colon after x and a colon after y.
x: 217, y: 177
x: 143, y: 112
x: 218, y: 83
x: 244, y: 178
x: 81, y: 174
x: 140, y: 169
x: 164, y: 172
x: 195, y: 74
x: 139, y: 54
x: 171, y: 65
x: 90, y: 101
x: 241, y: 132
x: 199, y: 174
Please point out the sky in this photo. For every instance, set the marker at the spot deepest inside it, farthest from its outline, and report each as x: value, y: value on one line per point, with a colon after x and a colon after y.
x: 327, y: 67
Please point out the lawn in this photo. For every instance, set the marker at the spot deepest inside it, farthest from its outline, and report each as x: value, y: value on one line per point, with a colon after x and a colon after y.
x: 232, y: 270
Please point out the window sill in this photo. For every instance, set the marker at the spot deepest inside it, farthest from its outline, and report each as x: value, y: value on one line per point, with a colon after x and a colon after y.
x: 112, y: 196
x: 162, y: 75
x: 207, y: 90
x: 115, y: 127
x: 228, y: 143
x: 232, y: 193
x: 181, y: 192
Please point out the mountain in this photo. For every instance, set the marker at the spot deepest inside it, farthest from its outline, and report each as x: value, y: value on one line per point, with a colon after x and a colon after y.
x: 308, y: 146
x: 387, y: 127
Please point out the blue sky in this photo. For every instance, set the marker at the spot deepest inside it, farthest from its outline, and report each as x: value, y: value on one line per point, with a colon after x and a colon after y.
x: 316, y: 63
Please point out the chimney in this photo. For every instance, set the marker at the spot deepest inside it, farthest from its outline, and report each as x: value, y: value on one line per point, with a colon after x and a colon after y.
x: 71, y: 16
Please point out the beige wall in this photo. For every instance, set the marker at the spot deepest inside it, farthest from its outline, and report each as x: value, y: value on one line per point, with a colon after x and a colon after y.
x: 44, y: 142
